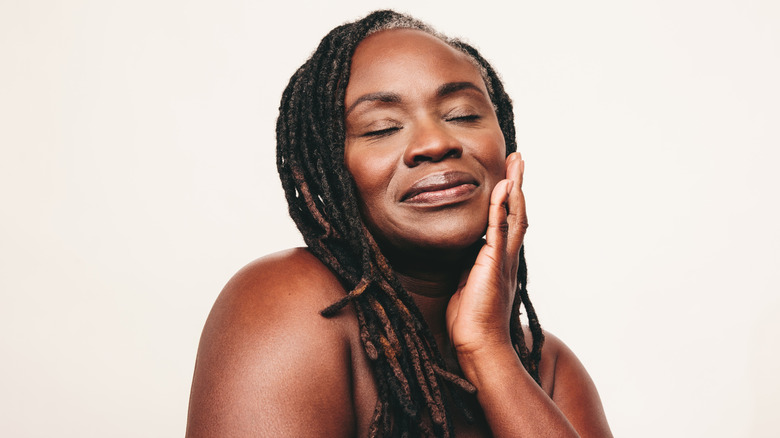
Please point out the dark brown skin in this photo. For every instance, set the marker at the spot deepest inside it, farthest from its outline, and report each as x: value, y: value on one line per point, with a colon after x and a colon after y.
x: 270, y: 365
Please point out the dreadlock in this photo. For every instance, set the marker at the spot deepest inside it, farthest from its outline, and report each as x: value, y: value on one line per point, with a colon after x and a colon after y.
x: 416, y: 391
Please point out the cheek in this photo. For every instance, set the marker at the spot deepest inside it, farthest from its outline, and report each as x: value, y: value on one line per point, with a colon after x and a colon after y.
x: 493, y: 155
x: 371, y: 170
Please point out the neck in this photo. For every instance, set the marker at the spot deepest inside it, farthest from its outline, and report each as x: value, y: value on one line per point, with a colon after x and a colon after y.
x: 431, y: 278
x: 431, y: 297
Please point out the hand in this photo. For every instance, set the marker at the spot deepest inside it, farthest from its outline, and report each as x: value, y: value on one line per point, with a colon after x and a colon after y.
x: 478, y: 314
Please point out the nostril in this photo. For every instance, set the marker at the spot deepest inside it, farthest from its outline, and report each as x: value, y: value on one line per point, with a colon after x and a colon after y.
x: 452, y: 153
x: 431, y: 143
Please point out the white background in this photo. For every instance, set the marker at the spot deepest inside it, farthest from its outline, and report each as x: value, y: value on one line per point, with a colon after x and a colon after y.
x: 137, y: 175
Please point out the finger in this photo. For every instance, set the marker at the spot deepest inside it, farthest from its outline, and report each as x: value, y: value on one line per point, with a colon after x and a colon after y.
x: 498, y: 227
x: 517, y: 218
x: 511, y: 169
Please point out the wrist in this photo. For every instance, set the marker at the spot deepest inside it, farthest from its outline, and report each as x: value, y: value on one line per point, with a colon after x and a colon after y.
x: 480, y: 339
x: 489, y: 361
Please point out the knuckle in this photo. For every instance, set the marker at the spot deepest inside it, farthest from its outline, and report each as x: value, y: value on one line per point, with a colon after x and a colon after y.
x: 521, y: 221
x: 502, y: 227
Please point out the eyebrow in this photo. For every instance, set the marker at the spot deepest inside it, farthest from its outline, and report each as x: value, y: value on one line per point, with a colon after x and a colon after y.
x: 454, y: 87
x: 387, y: 97
x: 374, y: 97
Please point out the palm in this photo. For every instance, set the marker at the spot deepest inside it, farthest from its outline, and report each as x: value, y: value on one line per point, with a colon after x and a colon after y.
x: 479, y: 311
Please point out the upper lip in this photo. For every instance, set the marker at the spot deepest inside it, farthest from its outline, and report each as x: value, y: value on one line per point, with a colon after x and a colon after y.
x: 438, y: 181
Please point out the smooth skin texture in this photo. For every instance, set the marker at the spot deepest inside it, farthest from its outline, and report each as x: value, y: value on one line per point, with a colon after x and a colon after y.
x: 416, y: 112
x: 427, y: 157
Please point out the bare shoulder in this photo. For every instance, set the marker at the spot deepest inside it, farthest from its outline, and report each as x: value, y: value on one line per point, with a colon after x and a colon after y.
x: 268, y: 364
x: 568, y: 383
x: 279, y: 285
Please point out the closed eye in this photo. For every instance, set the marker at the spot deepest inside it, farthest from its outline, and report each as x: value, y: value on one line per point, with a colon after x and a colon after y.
x: 381, y: 132
x: 467, y: 118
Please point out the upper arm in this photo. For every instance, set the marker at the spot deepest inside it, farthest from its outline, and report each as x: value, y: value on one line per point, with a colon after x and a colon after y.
x: 575, y: 393
x: 268, y: 364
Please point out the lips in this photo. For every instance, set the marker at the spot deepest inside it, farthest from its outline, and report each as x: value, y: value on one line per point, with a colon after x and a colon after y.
x: 440, y: 188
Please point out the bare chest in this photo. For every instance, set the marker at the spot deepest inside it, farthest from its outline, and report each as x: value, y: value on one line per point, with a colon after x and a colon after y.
x: 365, y: 397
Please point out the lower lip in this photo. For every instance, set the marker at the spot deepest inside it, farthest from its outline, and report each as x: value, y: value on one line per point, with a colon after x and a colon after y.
x: 448, y: 196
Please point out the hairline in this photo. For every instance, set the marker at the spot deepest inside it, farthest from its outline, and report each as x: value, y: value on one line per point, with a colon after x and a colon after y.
x: 404, y: 22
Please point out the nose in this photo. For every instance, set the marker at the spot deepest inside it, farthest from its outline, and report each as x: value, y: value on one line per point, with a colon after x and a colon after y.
x: 431, y: 141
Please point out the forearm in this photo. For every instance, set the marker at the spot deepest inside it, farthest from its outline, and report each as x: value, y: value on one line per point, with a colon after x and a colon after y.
x: 513, y: 404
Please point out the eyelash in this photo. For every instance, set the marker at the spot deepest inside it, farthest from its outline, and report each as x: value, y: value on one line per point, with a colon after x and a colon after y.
x: 466, y: 119
x: 382, y: 132
x: 387, y: 131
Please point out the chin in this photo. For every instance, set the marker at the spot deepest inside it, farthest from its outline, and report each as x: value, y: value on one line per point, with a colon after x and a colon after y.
x: 438, y: 247
x: 450, y: 239
x: 448, y: 233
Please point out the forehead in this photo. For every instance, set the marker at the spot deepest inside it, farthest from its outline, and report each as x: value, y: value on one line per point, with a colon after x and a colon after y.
x: 401, y: 60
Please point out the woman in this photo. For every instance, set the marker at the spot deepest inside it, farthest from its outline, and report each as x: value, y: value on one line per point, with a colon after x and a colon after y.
x: 396, y: 153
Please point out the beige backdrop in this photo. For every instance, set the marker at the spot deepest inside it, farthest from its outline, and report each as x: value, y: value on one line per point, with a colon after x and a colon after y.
x: 137, y: 174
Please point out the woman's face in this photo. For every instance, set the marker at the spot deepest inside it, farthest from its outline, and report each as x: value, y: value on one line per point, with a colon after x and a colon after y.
x: 423, y: 142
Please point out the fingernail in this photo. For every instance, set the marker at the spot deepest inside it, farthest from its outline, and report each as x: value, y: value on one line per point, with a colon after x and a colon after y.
x: 511, y: 186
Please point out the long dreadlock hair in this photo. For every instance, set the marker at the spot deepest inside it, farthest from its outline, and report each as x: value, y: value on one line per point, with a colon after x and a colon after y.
x: 416, y: 391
